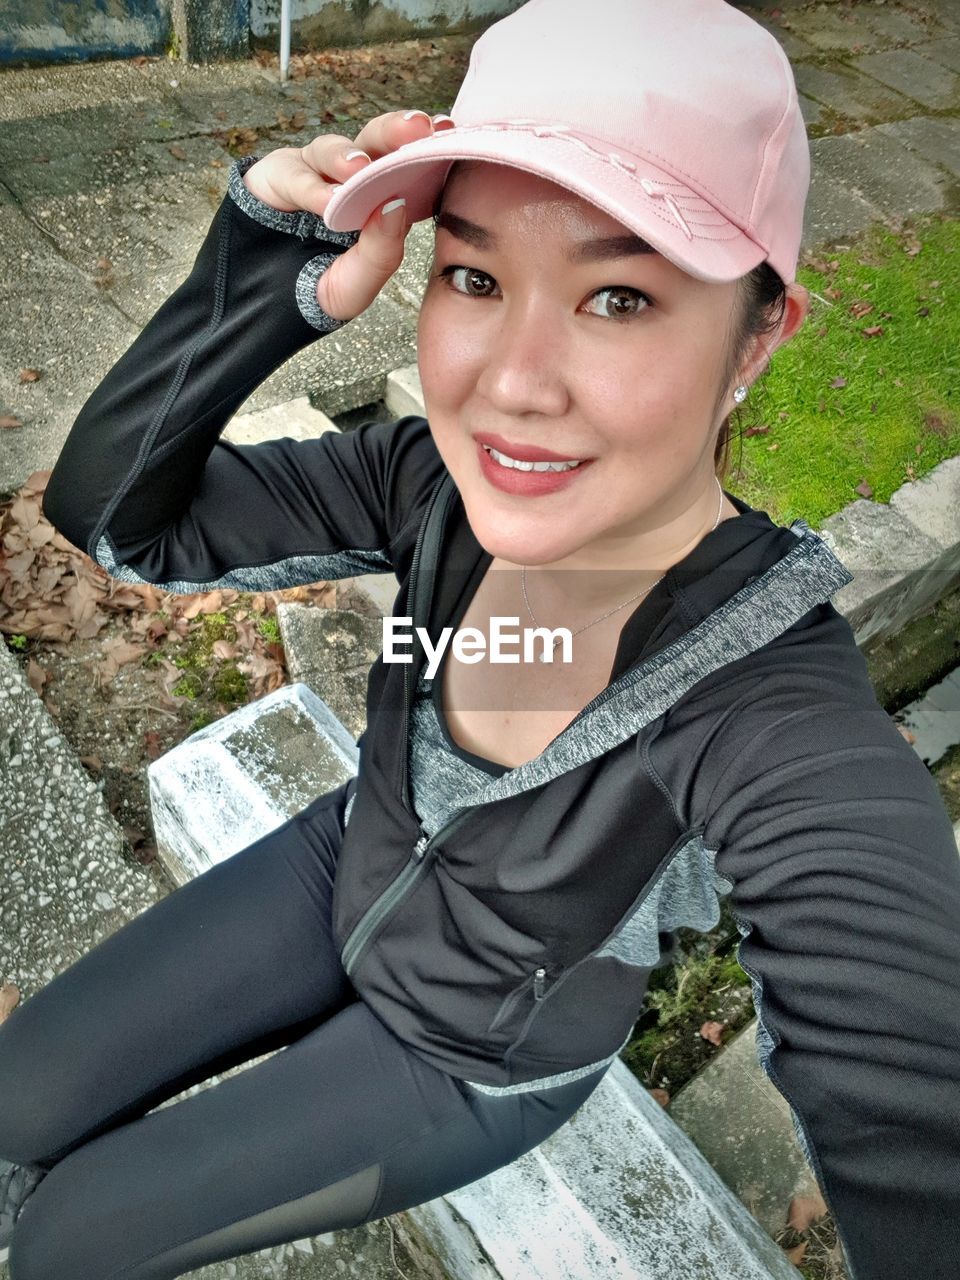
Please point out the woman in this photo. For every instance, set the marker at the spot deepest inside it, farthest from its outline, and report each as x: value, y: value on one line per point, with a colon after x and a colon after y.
x: 454, y: 946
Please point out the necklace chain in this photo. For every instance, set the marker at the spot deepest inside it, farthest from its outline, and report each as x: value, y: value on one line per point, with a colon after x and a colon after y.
x: 617, y: 608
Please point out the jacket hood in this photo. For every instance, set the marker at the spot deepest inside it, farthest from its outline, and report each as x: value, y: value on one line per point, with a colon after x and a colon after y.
x: 743, y: 585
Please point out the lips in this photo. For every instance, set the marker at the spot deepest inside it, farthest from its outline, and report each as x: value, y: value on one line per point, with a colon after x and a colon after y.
x: 523, y: 452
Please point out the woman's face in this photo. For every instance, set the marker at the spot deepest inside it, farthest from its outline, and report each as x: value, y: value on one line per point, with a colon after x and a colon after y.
x: 613, y: 358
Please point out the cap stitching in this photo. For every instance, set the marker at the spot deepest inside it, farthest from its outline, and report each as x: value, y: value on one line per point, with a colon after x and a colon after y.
x: 560, y: 130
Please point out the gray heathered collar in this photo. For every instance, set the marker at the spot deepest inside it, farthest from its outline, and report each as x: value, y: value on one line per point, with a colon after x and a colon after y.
x: 755, y: 615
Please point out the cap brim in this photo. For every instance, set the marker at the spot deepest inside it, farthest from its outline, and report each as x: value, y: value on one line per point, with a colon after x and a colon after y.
x: 675, y: 220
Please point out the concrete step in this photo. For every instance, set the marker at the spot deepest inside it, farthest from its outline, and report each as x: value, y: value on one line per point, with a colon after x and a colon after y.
x: 65, y: 883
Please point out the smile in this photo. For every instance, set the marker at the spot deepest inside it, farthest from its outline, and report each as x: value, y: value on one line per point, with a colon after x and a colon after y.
x: 505, y: 461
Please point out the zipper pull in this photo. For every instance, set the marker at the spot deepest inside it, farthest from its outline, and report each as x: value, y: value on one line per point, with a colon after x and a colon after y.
x: 419, y: 847
x: 538, y: 981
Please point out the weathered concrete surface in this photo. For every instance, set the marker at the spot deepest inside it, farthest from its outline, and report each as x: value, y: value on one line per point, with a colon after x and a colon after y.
x: 889, y: 558
x: 65, y: 882
x: 617, y: 1193
x: 849, y: 93
x: 296, y: 419
x: 102, y: 221
x: 932, y: 504
x: 332, y: 651
x: 881, y: 171
x: 404, y: 393
x: 927, y: 82
x: 741, y: 1123
x: 937, y: 140
x: 331, y: 23
x: 230, y: 784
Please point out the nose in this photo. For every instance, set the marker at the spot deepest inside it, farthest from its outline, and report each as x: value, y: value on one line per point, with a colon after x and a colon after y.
x: 524, y: 369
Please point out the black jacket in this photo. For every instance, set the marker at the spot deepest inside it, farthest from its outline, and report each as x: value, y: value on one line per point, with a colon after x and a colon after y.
x: 738, y: 749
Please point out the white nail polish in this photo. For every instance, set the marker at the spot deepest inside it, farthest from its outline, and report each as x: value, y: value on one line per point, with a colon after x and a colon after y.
x: 408, y: 115
x: 352, y: 155
x: 393, y: 204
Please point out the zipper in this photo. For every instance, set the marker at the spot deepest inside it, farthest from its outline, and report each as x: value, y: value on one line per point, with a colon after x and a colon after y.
x: 562, y: 977
x: 537, y: 980
x: 433, y: 526
x: 421, y: 859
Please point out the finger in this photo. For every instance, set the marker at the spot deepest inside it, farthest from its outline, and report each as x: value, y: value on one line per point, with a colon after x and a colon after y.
x: 354, y: 279
x: 386, y: 133
x: 302, y: 178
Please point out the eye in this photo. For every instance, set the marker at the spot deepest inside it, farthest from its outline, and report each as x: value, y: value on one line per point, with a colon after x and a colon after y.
x: 470, y: 274
x: 624, y: 296
x: 628, y: 302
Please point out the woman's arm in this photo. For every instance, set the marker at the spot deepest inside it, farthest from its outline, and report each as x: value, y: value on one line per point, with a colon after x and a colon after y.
x: 846, y: 886
x: 143, y: 483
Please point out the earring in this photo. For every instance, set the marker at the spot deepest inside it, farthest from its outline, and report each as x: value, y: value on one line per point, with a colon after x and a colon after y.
x: 740, y: 394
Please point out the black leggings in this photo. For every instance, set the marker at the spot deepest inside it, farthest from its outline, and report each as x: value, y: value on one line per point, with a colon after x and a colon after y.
x: 343, y: 1126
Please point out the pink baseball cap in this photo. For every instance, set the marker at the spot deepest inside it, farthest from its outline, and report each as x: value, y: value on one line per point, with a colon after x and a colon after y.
x: 679, y: 118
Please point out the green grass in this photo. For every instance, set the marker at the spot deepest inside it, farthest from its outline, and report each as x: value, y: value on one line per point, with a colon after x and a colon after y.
x: 897, y: 417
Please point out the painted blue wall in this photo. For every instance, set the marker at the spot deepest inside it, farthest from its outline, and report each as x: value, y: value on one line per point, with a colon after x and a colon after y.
x: 69, y: 30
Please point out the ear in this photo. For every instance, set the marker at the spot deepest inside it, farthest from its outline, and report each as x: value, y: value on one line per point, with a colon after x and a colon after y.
x: 796, y: 308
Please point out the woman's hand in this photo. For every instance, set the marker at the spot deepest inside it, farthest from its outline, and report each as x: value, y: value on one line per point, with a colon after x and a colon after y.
x: 293, y: 178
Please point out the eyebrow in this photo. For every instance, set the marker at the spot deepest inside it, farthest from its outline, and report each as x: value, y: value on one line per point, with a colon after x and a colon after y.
x: 602, y: 250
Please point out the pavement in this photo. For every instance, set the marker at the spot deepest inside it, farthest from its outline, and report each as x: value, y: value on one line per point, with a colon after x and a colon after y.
x: 110, y: 174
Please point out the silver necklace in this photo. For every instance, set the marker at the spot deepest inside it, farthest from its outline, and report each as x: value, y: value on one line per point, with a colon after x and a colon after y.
x: 544, y: 657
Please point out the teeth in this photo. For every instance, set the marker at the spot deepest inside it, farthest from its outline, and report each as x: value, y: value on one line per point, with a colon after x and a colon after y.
x: 506, y: 461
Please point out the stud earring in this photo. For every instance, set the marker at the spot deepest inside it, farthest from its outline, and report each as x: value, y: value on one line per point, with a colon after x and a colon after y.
x: 740, y: 394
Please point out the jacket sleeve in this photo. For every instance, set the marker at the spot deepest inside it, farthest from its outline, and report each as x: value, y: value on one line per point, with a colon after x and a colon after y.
x: 845, y: 884
x: 145, y: 486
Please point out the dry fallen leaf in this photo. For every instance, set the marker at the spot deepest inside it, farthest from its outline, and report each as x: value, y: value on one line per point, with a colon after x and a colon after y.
x: 875, y: 331
x: 8, y: 420
x: 713, y: 1031
x: 837, y: 383
x: 29, y: 375
x: 795, y: 1255
x: 804, y: 1210
x: 37, y: 677
x: 864, y: 489
x: 660, y: 1095
x: 9, y: 999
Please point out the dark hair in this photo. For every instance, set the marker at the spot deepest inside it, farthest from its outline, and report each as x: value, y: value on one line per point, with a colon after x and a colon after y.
x: 762, y: 297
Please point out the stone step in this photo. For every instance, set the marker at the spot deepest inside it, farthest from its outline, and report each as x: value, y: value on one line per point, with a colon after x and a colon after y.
x: 240, y: 778
x: 296, y: 418
x: 65, y: 882
x: 619, y: 1191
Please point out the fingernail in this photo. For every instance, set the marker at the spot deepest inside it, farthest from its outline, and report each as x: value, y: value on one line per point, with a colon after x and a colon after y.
x: 335, y: 186
x: 352, y: 155
x: 391, y: 206
x: 408, y: 115
x: 439, y: 119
